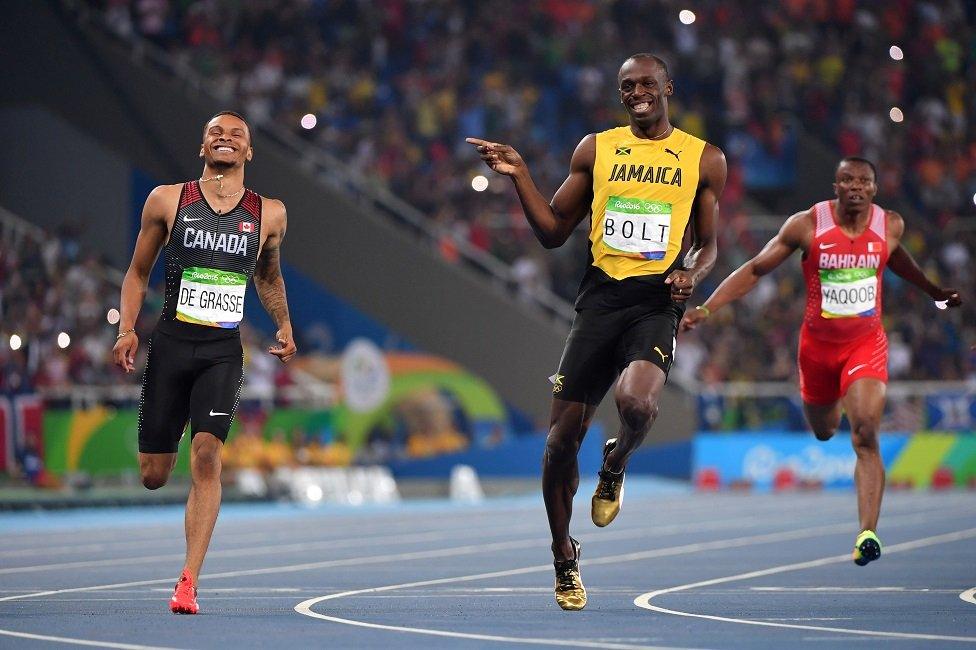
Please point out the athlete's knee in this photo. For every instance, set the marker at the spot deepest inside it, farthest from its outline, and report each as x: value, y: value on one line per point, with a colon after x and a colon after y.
x: 154, y: 470
x: 824, y: 433
x: 154, y: 479
x: 864, y: 435
x: 206, y: 457
x: 561, y: 446
x: 637, y: 413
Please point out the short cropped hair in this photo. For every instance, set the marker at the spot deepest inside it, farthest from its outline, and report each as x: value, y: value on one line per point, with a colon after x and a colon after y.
x: 646, y: 55
x: 858, y: 159
x: 232, y: 114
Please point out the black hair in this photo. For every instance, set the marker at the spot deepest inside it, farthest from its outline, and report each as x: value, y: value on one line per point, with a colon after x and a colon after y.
x: 658, y: 60
x: 232, y: 114
x: 858, y: 159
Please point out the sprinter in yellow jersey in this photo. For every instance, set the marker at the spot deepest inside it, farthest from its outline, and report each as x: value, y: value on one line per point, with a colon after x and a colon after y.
x: 642, y: 184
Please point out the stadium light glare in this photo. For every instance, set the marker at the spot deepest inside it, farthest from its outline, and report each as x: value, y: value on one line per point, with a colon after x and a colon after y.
x: 314, y: 493
x: 15, y: 342
x: 63, y: 340
x: 686, y: 16
x: 896, y: 53
x: 895, y: 114
x: 479, y: 183
x: 113, y: 316
x: 309, y: 121
x: 974, y: 198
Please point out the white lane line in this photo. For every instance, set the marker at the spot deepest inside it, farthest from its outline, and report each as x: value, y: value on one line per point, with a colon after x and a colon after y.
x: 224, y: 535
x: 794, y: 534
x: 356, y: 542
x: 97, y: 644
x: 797, y: 533
x: 566, y: 643
x: 644, y: 600
x: 810, y: 618
x: 969, y: 595
x: 428, y: 536
x: 856, y: 590
x: 273, y: 549
x: 305, y: 607
x: 227, y: 533
x: 399, y: 557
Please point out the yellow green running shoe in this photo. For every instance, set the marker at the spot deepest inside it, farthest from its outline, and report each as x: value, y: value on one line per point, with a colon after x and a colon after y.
x: 867, y: 548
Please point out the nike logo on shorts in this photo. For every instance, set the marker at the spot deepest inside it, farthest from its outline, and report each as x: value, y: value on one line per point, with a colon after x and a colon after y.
x: 213, y: 413
x: 856, y: 368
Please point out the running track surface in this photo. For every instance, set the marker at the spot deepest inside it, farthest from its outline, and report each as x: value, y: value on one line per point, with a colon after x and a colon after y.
x: 676, y: 569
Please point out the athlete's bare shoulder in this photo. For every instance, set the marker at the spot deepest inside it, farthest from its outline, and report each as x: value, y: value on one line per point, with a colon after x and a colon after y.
x: 273, y: 214
x: 713, y: 170
x: 895, y: 224
x: 165, y: 194
x: 162, y: 202
x: 797, y: 230
x: 712, y: 154
x: 584, y: 157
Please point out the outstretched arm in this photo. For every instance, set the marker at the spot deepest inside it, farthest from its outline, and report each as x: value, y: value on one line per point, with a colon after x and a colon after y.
x: 269, y: 283
x: 153, y: 231
x: 901, y: 262
x: 794, y: 234
x: 552, y: 222
x: 704, y: 249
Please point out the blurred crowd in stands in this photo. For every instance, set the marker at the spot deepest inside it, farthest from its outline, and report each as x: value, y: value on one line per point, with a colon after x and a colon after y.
x: 49, y: 286
x: 395, y: 87
x: 54, y: 298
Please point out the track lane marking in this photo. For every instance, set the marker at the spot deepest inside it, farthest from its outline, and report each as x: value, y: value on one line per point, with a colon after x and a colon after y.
x: 969, y: 595
x: 604, y: 536
x: 395, y: 557
x: 644, y: 600
x: 305, y: 607
x: 97, y: 644
x: 228, y: 534
x: 626, y: 533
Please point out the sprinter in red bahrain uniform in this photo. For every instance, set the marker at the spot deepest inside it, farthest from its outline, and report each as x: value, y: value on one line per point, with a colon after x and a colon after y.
x: 843, y: 351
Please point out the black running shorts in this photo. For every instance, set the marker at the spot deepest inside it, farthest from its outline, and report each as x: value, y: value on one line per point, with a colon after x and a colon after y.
x: 195, y: 381
x: 602, y: 342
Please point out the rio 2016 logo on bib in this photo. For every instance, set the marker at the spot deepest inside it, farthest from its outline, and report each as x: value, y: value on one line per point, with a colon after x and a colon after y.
x: 211, y: 297
x: 848, y: 293
x: 637, y: 227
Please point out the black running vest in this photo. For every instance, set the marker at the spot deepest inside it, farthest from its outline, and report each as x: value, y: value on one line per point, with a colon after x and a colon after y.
x: 209, y: 259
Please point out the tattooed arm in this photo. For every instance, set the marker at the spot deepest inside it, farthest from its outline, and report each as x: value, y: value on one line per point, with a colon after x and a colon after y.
x: 268, y: 281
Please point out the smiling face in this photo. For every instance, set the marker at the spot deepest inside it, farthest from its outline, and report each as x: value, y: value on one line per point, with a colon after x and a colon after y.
x: 855, y: 184
x: 226, y: 142
x: 644, y: 90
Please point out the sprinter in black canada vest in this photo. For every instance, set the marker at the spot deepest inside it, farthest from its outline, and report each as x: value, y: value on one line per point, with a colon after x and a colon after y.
x: 216, y: 234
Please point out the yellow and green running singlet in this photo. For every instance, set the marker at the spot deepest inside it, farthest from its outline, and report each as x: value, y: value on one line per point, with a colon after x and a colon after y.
x: 643, y: 192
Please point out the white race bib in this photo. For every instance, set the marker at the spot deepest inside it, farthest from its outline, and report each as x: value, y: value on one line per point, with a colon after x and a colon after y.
x: 637, y: 227
x: 848, y: 293
x: 211, y: 297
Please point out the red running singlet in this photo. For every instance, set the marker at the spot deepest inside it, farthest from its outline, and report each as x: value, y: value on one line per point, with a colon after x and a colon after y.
x: 843, y: 277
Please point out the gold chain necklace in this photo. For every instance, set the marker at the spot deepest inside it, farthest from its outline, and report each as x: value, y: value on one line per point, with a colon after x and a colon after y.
x: 220, y: 185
